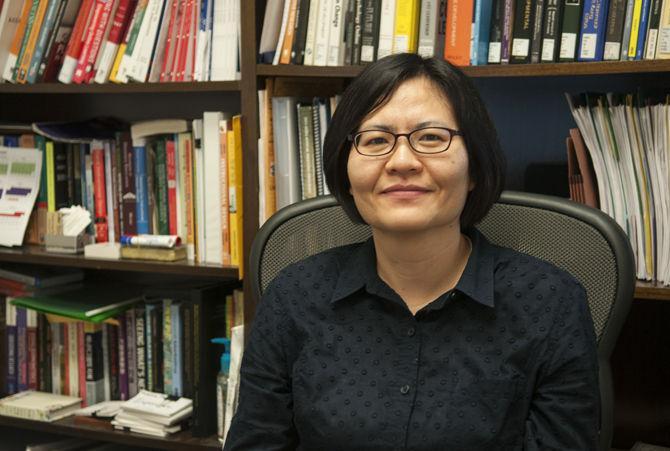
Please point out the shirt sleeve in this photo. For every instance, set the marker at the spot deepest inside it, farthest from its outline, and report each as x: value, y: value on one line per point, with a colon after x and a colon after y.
x: 565, y: 409
x: 264, y: 417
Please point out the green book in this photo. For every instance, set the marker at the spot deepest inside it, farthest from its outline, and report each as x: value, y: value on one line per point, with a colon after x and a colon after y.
x: 162, y: 188
x: 94, y: 304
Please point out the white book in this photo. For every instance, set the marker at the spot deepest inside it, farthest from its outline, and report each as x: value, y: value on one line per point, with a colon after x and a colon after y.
x: 236, y: 352
x: 127, y: 64
x: 322, y: 32
x: 191, y: 44
x: 225, y: 48
x: 663, y: 41
x: 287, y: 158
x: 198, y: 176
x: 105, y: 35
x: 310, y: 38
x: 41, y: 406
x: 154, y: 420
x: 156, y: 404
x: 200, y: 41
x: 323, y: 121
x: 428, y: 27
x: 208, y: 50
x: 282, y: 32
x: 386, y: 28
x: 10, y: 15
x: 148, y: 38
x: 56, y: 351
x: 212, y: 207
x: 336, y: 45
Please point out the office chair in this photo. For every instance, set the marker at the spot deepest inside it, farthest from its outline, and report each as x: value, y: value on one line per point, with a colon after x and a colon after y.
x: 581, y: 240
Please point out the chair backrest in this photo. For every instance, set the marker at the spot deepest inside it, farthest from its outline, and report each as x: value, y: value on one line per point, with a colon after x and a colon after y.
x: 581, y: 240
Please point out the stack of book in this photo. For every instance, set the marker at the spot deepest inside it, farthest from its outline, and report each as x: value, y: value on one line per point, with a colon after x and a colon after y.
x: 465, y: 32
x: 153, y: 414
x: 96, y: 41
x: 626, y: 136
x: 34, y: 405
x: 20, y: 279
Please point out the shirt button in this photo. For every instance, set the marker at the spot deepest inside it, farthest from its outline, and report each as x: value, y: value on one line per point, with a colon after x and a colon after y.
x: 411, y: 331
x: 404, y: 389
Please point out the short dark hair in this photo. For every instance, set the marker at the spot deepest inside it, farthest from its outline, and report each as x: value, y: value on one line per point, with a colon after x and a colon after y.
x: 375, y: 86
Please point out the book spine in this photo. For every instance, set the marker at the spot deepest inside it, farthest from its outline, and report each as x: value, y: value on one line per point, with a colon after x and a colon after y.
x: 592, y: 37
x: 572, y: 12
x: 495, y: 33
x: 94, y: 367
x: 170, y: 40
x: 43, y: 354
x: 507, y: 30
x: 90, y: 202
x: 642, y: 33
x: 149, y: 346
x: 386, y: 28
x: 635, y: 29
x: 128, y: 197
x: 120, y: 23
x: 100, y: 198
x: 21, y: 349
x: 85, y: 70
x: 171, y: 185
x: 155, y: 66
x: 75, y: 43
x: 122, y: 360
x: 663, y: 46
x: 54, y: 55
x: 140, y: 346
x: 106, y: 379
x: 19, y: 32
x: 110, y: 189
x: 81, y: 359
x: 190, y: 197
x: 157, y: 347
x: 187, y: 346
x: 300, y: 32
x: 370, y: 30
x: 112, y: 349
x: 358, y: 29
x: 459, y: 28
x: 131, y: 352
x: 11, y: 343
x: 614, y: 33
x: 120, y: 74
x: 226, y: 188
x: 483, y: 30
x: 162, y: 187
x: 73, y: 359
x: 56, y: 352
x: 552, y: 28
x: 142, y: 59
x: 118, y: 155
x: 316, y: 140
x: 652, y: 32
x: 142, y: 196
x: 166, y: 370
x: 306, y: 140
x: 32, y: 350
x: 521, y: 36
x: 65, y: 359
x: 138, y: 11
x: 31, y: 25
x: 427, y: 28
x: 54, y: 11
x: 349, y: 23
x: 536, y: 40
x: 177, y: 349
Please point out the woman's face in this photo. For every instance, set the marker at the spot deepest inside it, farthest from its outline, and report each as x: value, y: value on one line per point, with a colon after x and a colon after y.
x: 405, y: 191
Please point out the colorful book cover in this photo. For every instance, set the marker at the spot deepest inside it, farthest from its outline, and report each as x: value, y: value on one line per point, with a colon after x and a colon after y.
x: 142, y: 196
x: 592, y: 37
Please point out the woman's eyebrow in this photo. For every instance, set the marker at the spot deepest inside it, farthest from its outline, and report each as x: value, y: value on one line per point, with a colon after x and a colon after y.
x: 388, y: 128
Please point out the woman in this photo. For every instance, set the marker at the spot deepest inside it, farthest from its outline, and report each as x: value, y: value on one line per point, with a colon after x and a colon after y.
x: 426, y: 337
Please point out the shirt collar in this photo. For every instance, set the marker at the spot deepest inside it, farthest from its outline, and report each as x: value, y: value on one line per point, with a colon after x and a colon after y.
x: 359, y: 271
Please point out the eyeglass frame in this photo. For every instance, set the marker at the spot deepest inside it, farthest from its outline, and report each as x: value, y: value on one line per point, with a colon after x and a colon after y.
x: 352, y: 137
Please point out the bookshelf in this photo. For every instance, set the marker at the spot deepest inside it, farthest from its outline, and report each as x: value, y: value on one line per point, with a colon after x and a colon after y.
x: 243, y: 95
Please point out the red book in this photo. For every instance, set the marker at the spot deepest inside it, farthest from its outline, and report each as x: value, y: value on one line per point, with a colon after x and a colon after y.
x: 171, y: 164
x: 181, y: 45
x: 102, y: 12
x: 122, y: 17
x: 81, y: 361
x: 74, y: 45
x: 168, y: 51
x: 55, y: 58
x: 100, y: 198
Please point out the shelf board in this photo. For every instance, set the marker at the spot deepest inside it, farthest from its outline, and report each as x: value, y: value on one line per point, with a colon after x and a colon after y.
x: 101, y: 430
x: 492, y: 70
x: 652, y: 290
x: 37, y: 255
x: 114, y: 88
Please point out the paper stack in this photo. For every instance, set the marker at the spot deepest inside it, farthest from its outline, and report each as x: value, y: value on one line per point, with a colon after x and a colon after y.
x: 34, y: 405
x: 153, y: 414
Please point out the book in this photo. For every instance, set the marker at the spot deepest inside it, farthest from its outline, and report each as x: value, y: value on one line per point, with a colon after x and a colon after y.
x: 459, y: 32
x: 89, y: 303
x: 34, y: 405
x: 572, y: 13
x: 522, y: 31
x: 406, y: 26
x: 152, y: 253
x: 40, y: 276
x: 614, y: 33
x: 592, y: 35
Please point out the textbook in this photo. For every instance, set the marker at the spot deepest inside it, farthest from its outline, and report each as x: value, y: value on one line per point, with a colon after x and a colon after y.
x: 93, y: 304
x: 34, y: 405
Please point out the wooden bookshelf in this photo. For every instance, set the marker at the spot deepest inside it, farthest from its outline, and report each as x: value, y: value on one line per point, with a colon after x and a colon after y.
x: 37, y: 255
x: 113, y: 88
x: 101, y: 430
x: 652, y: 290
x: 493, y: 70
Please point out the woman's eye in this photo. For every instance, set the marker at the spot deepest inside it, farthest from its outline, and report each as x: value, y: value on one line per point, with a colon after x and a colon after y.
x: 429, y: 137
x: 378, y: 141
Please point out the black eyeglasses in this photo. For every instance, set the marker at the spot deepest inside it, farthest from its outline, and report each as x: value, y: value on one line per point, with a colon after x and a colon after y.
x: 427, y: 140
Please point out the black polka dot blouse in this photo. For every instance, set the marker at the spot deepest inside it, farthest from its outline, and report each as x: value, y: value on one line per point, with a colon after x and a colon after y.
x: 336, y: 361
